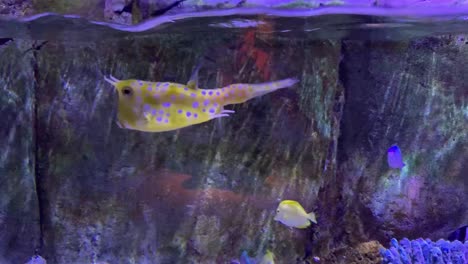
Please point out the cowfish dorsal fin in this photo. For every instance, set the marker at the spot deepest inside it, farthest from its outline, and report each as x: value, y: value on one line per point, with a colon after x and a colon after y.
x: 192, y: 85
x: 193, y: 82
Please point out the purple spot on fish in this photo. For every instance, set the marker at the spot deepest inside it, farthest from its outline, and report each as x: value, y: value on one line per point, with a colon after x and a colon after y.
x: 153, y: 112
x: 168, y: 114
x: 140, y: 83
x: 173, y: 97
x: 195, y: 115
x: 206, y: 103
x: 188, y: 114
x: 232, y: 92
x: 161, y: 112
x: 185, y: 89
x: 159, y: 119
x: 210, y: 93
x: 195, y: 104
x: 180, y: 111
x: 150, y: 88
x: 193, y: 95
x: 182, y: 95
x: 203, y: 92
x: 166, y: 121
x: 166, y: 104
x: 215, y: 104
x: 146, y: 108
x: 164, y: 87
x: 212, y: 110
x: 394, y: 158
x: 217, y: 93
x: 204, y: 110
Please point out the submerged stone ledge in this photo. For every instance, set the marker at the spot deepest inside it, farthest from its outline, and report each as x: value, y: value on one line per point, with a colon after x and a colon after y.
x: 137, y: 11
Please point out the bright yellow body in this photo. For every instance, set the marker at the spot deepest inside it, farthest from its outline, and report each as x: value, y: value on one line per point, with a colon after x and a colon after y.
x: 164, y: 106
x: 292, y: 214
x: 268, y: 258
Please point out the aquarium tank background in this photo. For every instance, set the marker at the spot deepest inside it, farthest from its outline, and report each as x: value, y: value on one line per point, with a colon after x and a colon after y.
x: 370, y: 143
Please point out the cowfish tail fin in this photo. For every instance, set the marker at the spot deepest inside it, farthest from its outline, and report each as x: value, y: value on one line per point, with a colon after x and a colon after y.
x: 264, y: 88
x: 241, y: 92
x: 312, y: 218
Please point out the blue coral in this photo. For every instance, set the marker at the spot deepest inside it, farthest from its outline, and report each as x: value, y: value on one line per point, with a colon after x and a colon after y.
x: 425, y: 251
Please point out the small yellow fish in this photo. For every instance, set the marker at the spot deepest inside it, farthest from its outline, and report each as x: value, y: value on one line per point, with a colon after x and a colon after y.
x: 164, y: 106
x: 292, y: 214
x: 268, y: 258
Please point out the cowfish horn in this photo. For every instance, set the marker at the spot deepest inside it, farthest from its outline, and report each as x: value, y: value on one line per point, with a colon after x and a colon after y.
x: 112, y: 80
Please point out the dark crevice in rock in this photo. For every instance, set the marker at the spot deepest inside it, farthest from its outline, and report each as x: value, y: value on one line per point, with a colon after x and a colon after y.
x: 355, y: 219
x: 4, y: 41
x: 343, y: 81
x: 36, y: 170
x: 127, y: 8
x: 162, y: 11
x: 36, y: 47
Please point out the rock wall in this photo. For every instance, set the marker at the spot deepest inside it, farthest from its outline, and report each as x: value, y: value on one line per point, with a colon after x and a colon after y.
x: 410, y: 93
x: 201, y: 194
x: 76, y: 189
x: 19, y: 207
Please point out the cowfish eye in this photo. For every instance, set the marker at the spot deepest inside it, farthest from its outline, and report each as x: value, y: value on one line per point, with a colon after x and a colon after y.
x: 127, y: 91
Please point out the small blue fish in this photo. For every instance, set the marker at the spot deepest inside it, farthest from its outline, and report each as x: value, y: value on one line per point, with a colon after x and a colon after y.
x: 268, y: 258
x: 245, y: 259
x: 394, y: 158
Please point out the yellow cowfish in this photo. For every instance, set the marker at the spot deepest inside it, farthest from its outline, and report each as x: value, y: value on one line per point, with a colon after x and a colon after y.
x: 268, y: 258
x: 164, y: 106
x: 292, y: 214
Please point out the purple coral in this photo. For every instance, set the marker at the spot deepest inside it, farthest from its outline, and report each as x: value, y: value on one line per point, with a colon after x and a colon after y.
x: 422, y: 251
